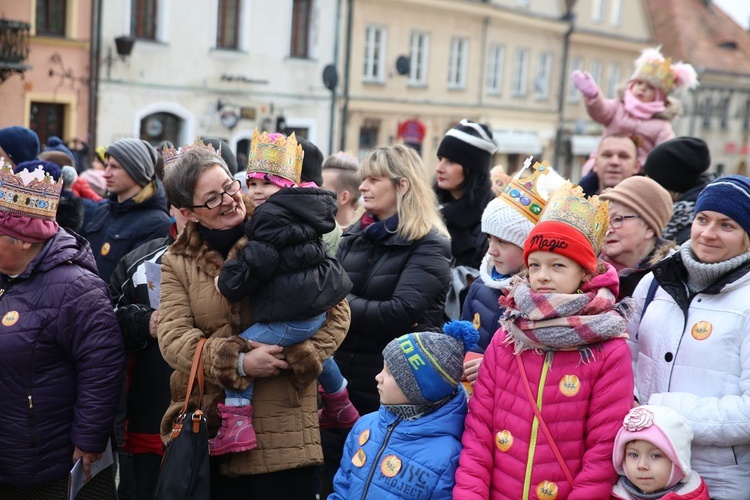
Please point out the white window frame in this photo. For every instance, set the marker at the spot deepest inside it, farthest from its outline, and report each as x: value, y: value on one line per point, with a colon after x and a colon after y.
x: 162, y: 21
x: 375, y: 47
x: 458, y: 63
x: 520, y: 76
x: 243, y: 36
x: 616, y: 13
x: 543, y: 74
x: 597, y: 10
x: 495, y: 67
x: 614, y: 80
x: 574, y: 95
x: 420, y: 49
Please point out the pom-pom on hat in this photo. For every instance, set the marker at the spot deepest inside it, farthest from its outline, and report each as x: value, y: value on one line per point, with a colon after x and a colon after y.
x: 427, y: 366
x: 137, y: 157
x: 662, y: 427
x: 644, y: 196
x: 19, y: 143
x: 653, y: 68
x: 470, y: 145
x: 729, y: 195
x: 677, y: 164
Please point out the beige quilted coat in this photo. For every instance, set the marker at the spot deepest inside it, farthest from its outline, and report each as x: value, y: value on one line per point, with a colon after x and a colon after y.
x: 285, y: 420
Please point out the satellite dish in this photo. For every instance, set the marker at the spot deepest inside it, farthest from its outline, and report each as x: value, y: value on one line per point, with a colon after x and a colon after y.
x: 403, y: 65
x: 330, y: 77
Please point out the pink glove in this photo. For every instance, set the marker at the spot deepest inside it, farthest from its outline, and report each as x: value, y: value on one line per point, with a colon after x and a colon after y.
x: 585, y: 83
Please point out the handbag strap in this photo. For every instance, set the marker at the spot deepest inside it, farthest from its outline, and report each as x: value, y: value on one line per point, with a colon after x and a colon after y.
x: 542, y: 424
x: 195, y: 370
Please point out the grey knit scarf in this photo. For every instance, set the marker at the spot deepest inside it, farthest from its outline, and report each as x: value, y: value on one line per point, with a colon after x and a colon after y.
x: 700, y: 275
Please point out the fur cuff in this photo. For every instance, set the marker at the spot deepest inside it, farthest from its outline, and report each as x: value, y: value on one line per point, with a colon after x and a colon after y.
x: 225, y: 363
x: 305, y: 362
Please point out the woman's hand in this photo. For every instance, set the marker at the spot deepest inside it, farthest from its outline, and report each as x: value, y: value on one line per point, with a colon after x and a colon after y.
x: 264, y: 360
x: 471, y: 369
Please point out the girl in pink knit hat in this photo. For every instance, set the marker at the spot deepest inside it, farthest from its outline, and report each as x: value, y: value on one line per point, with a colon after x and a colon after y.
x: 644, y: 111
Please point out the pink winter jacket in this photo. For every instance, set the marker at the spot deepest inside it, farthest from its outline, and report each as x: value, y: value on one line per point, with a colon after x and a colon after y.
x: 648, y: 133
x: 506, y: 456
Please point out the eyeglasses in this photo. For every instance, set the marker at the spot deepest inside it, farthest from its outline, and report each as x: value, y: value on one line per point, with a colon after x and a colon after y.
x: 217, y: 199
x: 617, y: 221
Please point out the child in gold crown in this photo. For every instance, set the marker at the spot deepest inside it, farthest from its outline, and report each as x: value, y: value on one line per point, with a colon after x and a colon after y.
x: 293, y: 282
x: 644, y: 111
x: 556, y: 380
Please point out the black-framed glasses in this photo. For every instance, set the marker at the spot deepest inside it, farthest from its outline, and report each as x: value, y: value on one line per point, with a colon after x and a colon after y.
x: 217, y: 199
x: 617, y: 221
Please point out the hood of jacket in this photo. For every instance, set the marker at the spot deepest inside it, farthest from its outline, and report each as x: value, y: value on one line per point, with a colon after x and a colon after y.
x: 313, y: 206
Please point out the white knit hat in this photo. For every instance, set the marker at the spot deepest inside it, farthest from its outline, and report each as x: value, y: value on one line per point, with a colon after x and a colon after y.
x: 505, y: 222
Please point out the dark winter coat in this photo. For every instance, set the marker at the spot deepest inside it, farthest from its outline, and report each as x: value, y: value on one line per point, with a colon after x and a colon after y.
x: 148, y: 373
x: 284, y: 267
x: 399, y: 287
x: 464, y: 221
x: 114, y: 229
x: 61, y: 363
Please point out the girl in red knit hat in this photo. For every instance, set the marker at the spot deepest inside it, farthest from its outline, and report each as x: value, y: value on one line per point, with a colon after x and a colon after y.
x: 556, y: 380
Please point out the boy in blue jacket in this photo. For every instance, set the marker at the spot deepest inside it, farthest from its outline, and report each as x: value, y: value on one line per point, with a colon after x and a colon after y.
x: 410, y: 447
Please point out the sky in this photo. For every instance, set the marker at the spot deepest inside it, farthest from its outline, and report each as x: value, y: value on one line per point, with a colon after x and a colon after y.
x: 739, y: 10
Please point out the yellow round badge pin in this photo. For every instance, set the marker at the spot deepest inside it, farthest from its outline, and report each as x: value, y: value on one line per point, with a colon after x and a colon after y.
x: 364, y: 436
x: 359, y: 459
x: 10, y: 318
x: 105, y: 248
x: 504, y: 440
x: 702, y: 330
x: 390, y: 465
x: 570, y: 385
x: 547, y: 490
x: 476, y: 321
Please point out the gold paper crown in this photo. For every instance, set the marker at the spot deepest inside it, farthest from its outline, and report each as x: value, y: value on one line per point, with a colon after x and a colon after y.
x: 169, y: 155
x: 530, y: 188
x: 280, y: 156
x: 30, y: 194
x: 588, y: 215
x: 658, y: 73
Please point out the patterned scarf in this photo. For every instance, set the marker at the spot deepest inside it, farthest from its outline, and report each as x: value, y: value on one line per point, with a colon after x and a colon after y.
x: 563, y: 322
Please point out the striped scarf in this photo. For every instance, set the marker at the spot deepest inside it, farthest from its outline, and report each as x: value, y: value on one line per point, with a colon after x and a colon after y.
x: 562, y: 322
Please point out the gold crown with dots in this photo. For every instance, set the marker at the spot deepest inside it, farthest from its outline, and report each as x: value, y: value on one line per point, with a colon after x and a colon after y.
x: 530, y: 188
x: 169, y: 155
x: 276, y: 154
x: 589, y: 216
x: 29, y: 194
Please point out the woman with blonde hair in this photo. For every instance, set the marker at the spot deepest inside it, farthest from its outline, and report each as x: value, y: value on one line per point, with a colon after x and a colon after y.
x: 398, y: 258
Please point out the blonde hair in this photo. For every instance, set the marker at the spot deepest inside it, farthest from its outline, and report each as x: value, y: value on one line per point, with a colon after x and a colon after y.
x: 417, y: 207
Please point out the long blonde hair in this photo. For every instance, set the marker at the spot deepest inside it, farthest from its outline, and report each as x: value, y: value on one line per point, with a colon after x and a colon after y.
x: 417, y: 207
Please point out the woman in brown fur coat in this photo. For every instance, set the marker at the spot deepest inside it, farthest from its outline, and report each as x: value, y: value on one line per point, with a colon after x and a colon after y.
x: 285, y: 419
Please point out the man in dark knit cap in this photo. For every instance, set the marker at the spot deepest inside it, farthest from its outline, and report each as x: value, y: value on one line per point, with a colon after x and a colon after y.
x: 134, y: 212
x: 680, y: 166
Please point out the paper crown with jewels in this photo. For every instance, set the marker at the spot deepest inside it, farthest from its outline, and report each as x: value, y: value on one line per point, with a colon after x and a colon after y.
x: 29, y: 194
x: 652, y: 67
x: 531, y: 187
x: 170, y: 155
x: 589, y: 216
x: 275, y: 154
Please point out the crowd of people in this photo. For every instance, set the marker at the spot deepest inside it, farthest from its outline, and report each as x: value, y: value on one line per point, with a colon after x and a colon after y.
x: 381, y: 329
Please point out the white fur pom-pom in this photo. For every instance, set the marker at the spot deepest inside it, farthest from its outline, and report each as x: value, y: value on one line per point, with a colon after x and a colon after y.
x: 649, y: 56
x: 684, y: 75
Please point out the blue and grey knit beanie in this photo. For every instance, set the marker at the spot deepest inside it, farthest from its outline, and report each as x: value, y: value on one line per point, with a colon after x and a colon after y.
x: 19, y: 143
x: 427, y: 366
x: 730, y: 196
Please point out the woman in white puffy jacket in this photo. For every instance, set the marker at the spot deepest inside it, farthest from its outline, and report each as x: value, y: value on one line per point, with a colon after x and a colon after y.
x: 691, y: 346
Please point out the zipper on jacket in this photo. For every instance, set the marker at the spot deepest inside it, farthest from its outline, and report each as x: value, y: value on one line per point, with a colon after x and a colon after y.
x: 535, y: 424
x: 377, y: 457
x: 32, y: 418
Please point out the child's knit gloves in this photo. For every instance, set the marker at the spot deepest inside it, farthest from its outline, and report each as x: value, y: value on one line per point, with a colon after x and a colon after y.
x: 585, y: 83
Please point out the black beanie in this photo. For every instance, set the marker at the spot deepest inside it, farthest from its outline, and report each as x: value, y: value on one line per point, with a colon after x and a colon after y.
x: 677, y: 164
x: 312, y: 163
x: 470, y: 145
x: 226, y: 152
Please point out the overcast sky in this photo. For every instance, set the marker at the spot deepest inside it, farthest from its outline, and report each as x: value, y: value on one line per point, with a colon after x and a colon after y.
x: 739, y: 10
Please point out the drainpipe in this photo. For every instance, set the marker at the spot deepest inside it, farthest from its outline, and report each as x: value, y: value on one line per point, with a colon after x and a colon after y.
x: 347, y: 62
x: 559, y: 139
x: 335, y: 65
x: 94, y: 55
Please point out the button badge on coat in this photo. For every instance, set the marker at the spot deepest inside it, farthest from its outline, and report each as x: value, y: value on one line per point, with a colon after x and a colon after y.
x: 105, y: 248
x: 546, y: 490
x: 10, y: 318
x: 570, y: 385
x: 390, y: 466
x: 364, y: 436
x: 477, y: 321
x: 504, y: 440
x: 359, y: 459
x: 702, y: 330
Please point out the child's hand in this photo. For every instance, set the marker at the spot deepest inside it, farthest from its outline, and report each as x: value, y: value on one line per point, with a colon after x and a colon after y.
x: 585, y: 83
x: 471, y: 369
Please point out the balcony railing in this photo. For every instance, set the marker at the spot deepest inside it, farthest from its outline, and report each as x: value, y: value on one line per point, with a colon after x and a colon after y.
x: 14, y: 48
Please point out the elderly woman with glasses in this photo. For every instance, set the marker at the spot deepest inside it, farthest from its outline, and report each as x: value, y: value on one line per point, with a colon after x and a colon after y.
x: 639, y: 208
x: 285, y: 420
